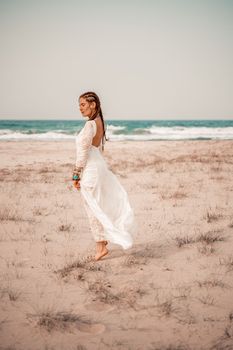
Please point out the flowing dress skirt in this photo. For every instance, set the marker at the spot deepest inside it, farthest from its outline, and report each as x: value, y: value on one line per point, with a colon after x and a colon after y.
x: 106, y: 202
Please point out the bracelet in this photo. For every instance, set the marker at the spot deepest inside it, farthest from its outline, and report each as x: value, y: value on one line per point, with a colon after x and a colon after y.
x: 75, y: 177
x: 77, y: 173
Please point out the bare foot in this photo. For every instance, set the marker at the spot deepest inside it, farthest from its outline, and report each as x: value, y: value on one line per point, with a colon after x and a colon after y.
x: 101, y: 254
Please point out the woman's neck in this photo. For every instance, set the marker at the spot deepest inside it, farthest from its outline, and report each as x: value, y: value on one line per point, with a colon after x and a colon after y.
x: 97, y: 117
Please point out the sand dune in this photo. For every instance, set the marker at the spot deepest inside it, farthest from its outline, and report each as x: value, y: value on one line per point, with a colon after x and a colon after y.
x: 172, y: 290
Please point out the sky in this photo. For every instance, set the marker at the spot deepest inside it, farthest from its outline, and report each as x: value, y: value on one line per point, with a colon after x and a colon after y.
x: 146, y: 59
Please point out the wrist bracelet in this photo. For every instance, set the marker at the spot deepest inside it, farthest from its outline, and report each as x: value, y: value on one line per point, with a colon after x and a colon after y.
x: 77, y: 173
x: 75, y: 177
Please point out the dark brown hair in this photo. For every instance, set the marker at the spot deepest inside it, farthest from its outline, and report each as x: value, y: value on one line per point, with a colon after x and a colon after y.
x: 92, y: 97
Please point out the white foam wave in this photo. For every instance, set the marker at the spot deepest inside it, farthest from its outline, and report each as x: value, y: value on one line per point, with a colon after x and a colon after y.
x: 5, y: 131
x: 178, y: 133
x: 153, y: 133
x: 192, y: 132
x: 43, y: 136
x: 114, y: 127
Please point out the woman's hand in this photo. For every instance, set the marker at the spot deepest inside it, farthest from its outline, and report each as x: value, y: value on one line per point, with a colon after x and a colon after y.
x: 76, y: 184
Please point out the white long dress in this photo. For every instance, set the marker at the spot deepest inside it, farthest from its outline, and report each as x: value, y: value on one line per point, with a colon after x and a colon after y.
x: 105, y: 199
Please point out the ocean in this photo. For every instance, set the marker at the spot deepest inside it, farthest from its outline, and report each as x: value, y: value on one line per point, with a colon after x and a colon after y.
x: 119, y: 130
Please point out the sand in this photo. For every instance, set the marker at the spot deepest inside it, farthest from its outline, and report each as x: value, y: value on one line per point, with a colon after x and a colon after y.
x: 171, y: 290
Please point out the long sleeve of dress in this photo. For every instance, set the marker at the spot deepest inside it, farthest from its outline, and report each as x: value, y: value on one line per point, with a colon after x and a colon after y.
x: 83, y: 144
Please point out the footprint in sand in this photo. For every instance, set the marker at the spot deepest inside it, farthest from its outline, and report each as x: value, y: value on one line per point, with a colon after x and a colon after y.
x: 99, y: 306
x: 91, y: 328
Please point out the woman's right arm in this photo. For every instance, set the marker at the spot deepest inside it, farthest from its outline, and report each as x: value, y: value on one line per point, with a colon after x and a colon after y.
x: 82, y: 148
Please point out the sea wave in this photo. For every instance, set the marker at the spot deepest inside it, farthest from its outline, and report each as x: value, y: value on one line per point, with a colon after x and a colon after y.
x: 5, y: 131
x: 111, y: 129
x: 143, y: 134
x: 47, y: 136
x: 178, y: 131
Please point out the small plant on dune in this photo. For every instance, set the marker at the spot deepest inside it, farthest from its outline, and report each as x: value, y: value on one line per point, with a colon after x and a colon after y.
x: 84, y: 263
x: 207, y: 300
x: 102, y: 291
x: 169, y: 347
x: 179, y: 194
x: 205, y: 249
x: 125, y: 297
x: 211, y: 216
x: 225, y: 341
x: 182, y: 292
x: 150, y: 250
x: 206, y: 239
x: 217, y: 167
x: 46, y: 169
x: 228, y: 262
x: 7, y: 214
x: 212, y: 282
x: 181, y: 241
x: 166, y: 307
x: 164, y: 195
x: 50, y: 320
x: 12, y: 293
x: 132, y: 260
x: 81, y: 347
x: 210, y: 237
x: 37, y: 211
x: 65, y: 227
x: 165, y: 304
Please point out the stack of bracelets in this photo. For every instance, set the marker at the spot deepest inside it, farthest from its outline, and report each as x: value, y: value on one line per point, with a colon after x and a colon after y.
x: 77, y: 174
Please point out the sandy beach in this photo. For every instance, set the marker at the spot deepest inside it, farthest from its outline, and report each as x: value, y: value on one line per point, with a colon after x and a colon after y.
x: 172, y: 290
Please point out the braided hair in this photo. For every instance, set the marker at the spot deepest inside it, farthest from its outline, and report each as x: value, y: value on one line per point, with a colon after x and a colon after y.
x: 92, y: 97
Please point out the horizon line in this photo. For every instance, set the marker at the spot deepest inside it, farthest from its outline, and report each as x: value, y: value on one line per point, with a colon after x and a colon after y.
x: 137, y: 119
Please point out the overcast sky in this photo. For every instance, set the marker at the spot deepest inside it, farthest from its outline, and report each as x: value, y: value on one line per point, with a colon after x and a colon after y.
x: 146, y: 59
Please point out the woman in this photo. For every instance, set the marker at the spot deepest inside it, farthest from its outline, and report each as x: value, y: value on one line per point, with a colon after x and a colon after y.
x: 106, y: 202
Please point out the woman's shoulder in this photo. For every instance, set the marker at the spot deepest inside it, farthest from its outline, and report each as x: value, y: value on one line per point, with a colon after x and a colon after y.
x: 91, y: 124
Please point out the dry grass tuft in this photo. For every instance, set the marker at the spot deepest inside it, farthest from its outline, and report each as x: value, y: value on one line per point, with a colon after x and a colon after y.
x: 103, y: 292
x: 207, y: 238
x: 132, y: 260
x: 85, y: 264
x: 51, y: 320
x: 46, y: 169
x: 207, y: 300
x: 211, y: 216
x: 181, y: 241
x: 212, y: 282
x: 164, y: 303
x: 81, y: 347
x: 166, y: 308
x: 216, y: 168
x: 151, y: 250
x: 226, y: 340
x: 205, y: 249
x: 228, y: 262
x: 65, y: 227
x: 169, y: 347
x: 210, y: 237
x: 125, y: 297
x: 11, y: 292
x: 178, y: 195
x: 7, y: 214
x: 231, y: 316
x: 182, y: 292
